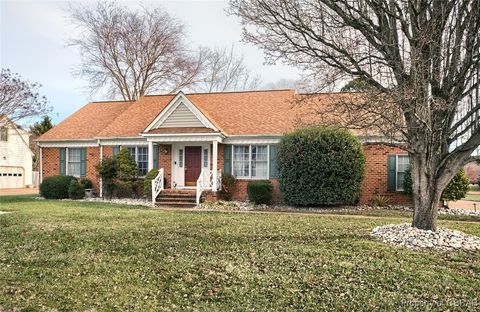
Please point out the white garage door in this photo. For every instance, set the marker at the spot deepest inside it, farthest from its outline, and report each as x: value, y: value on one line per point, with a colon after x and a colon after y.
x: 11, y: 177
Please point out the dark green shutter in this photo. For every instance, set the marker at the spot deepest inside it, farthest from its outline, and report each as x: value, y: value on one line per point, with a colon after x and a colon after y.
x: 392, y: 173
x: 155, y: 156
x: 115, y: 151
x: 83, y: 162
x: 62, y: 161
x: 273, y: 162
x: 227, y: 158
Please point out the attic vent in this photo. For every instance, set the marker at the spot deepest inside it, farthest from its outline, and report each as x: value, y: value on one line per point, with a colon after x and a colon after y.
x: 181, y: 117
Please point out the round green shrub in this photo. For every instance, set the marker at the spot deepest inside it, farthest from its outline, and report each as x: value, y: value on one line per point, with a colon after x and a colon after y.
x: 320, y: 166
x: 76, y: 190
x: 456, y: 189
x: 260, y: 192
x: 147, y: 183
x: 87, y: 183
x: 123, y: 189
x: 56, y: 187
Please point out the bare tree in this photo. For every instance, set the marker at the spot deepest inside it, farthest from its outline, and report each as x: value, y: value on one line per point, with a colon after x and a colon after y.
x: 19, y: 99
x: 225, y: 70
x: 131, y: 53
x: 421, y: 57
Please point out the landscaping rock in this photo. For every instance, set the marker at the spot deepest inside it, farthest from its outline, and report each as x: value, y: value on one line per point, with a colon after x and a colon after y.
x: 410, y: 237
x: 122, y: 201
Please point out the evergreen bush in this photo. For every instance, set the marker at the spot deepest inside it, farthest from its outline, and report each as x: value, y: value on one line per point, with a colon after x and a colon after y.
x: 320, y: 166
x: 260, y: 192
x: 127, y: 168
x: 76, y: 190
x: 55, y: 187
x: 147, y: 183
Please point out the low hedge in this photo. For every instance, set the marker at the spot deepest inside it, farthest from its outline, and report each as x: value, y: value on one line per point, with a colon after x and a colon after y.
x: 76, y: 190
x: 147, y: 183
x: 260, y: 192
x: 56, y: 187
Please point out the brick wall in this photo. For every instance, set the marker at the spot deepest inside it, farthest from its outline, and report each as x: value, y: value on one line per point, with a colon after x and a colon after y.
x: 165, y: 162
x: 93, y: 159
x: 240, y: 191
x: 50, y: 161
x: 375, y: 181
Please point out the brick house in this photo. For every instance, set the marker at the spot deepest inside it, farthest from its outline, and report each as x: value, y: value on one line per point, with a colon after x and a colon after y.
x: 194, y: 138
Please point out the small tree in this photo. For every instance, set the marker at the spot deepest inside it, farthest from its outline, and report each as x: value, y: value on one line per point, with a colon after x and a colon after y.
x: 41, y: 127
x: 127, y: 168
x: 19, y: 98
x: 107, y: 169
x: 321, y: 166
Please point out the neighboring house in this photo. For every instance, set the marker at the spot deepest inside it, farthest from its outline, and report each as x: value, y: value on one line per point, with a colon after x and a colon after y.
x: 197, y: 137
x: 15, y: 156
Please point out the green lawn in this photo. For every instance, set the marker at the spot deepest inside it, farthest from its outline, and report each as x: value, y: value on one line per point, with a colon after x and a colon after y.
x: 473, y: 197
x: 86, y: 256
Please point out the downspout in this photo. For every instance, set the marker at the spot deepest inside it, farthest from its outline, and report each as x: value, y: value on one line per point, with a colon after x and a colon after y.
x: 101, y: 158
x: 41, y: 164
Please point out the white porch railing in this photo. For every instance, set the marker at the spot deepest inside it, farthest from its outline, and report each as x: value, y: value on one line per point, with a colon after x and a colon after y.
x: 157, y: 185
x: 205, y: 182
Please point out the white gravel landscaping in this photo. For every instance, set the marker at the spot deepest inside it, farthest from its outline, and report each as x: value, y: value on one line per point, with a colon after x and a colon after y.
x: 4, y: 212
x: 122, y: 201
x: 443, y: 239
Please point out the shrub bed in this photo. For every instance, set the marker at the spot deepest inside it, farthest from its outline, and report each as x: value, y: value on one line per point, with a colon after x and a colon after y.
x: 56, y: 187
x: 260, y: 192
x: 76, y: 190
x: 321, y: 166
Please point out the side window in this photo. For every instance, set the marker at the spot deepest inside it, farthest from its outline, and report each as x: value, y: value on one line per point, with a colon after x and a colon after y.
x: 180, y: 158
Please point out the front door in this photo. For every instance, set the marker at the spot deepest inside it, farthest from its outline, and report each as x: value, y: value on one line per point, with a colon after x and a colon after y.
x: 193, y: 164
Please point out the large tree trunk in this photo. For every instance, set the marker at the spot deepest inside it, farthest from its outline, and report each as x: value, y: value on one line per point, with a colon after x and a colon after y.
x: 427, y: 190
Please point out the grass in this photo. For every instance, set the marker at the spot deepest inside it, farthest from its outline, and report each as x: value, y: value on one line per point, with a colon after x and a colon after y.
x: 473, y: 197
x: 65, y: 255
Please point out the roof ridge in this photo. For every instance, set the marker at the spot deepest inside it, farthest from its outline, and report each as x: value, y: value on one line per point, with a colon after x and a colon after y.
x: 106, y: 101
x: 223, y: 92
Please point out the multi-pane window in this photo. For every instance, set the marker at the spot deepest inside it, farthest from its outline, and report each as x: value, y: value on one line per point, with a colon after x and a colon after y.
x: 74, y: 161
x: 4, y: 134
x: 403, y: 162
x: 241, y: 161
x: 250, y: 161
x: 205, y: 157
x: 140, y: 155
x: 259, y: 161
x: 180, y: 158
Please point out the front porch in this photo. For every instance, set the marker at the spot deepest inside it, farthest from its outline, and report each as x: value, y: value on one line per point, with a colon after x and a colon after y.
x: 186, y: 164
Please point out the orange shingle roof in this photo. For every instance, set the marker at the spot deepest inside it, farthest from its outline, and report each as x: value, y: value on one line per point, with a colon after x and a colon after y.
x: 272, y: 112
x: 87, y: 122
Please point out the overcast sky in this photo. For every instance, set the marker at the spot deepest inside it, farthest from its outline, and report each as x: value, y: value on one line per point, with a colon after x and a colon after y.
x: 33, y: 43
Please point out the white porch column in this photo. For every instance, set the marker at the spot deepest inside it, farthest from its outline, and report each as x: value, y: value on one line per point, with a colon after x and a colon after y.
x: 215, y: 165
x: 150, y: 155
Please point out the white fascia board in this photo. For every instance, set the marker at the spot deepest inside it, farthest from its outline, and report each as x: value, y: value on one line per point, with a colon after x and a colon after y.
x: 253, y: 139
x: 170, y: 108
x: 195, y: 137
x: 70, y: 143
x: 123, y: 141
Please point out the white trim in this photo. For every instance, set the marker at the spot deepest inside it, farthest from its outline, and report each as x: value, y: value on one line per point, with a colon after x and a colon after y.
x: 69, y: 144
x: 185, y: 138
x: 170, y: 108
x: 100, y: 161
x: 249, y: 177
x: 41, y: 164
x: 150, y: 156
x: 396, y: 171
x: 214, y: 164
x: 255, y: 140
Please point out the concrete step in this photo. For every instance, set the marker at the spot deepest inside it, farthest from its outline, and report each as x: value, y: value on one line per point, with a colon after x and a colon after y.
x: 173, y: 204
